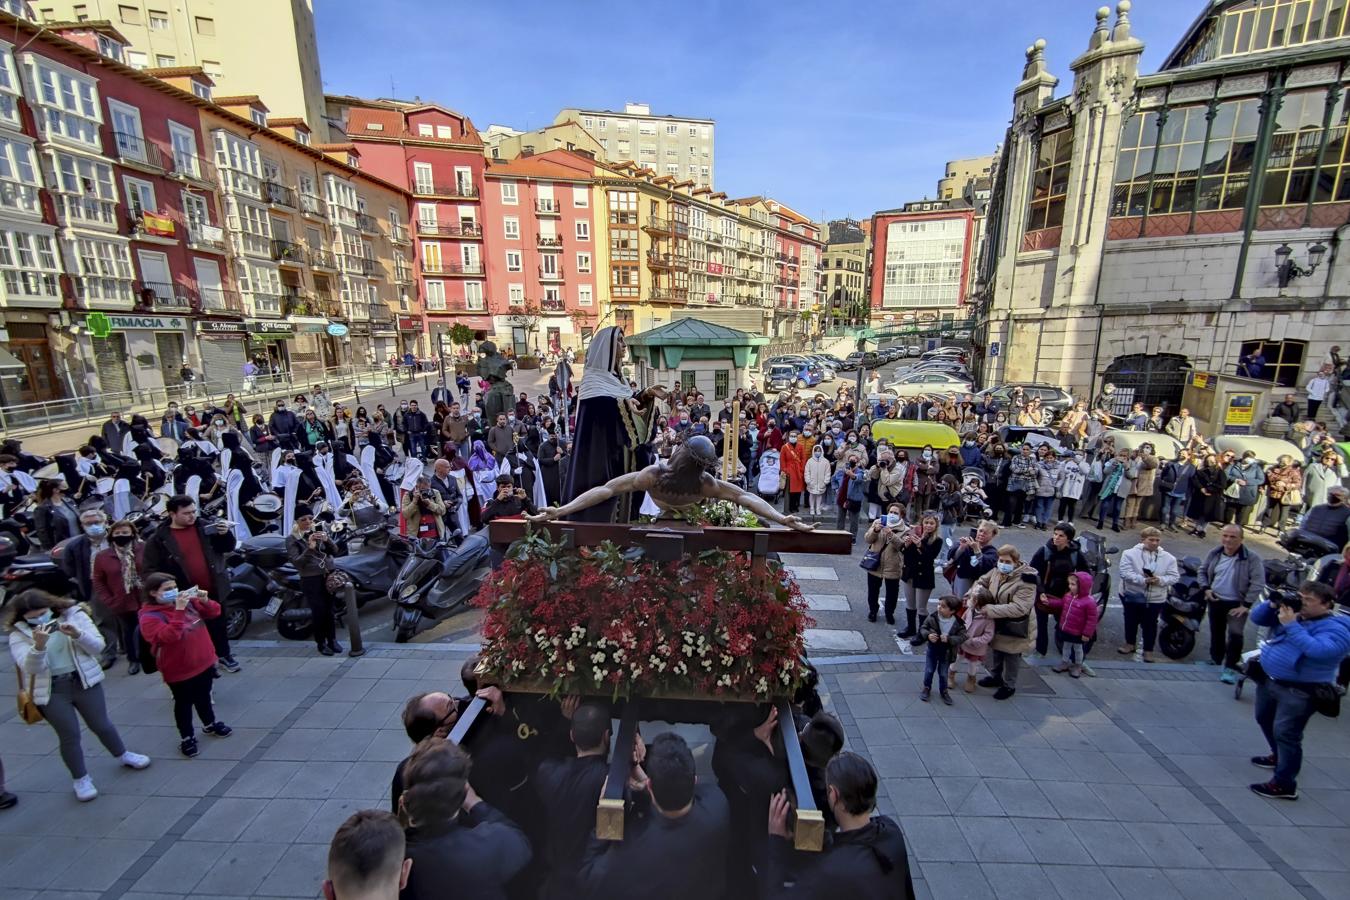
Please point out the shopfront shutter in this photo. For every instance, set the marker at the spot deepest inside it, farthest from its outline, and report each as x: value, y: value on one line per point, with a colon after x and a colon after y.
x: 110, y: 359
x: 223, y: 364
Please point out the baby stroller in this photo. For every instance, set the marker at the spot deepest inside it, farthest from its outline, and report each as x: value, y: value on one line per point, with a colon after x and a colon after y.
x: 974, y: 501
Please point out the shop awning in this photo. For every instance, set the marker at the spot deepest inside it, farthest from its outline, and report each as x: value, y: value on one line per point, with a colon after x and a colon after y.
x: 8, y: 362
x: 308, y: 324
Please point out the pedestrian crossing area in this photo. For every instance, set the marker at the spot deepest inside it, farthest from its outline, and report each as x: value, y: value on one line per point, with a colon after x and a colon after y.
x: 826, y: 640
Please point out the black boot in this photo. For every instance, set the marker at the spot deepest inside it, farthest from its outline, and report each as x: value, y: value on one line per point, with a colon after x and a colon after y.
x: 909, y: 630
x: 890, y: 613
x: 324, y: 649
x: 334, y: 645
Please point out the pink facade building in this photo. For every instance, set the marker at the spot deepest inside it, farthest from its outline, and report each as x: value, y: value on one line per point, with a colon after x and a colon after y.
x: 539, y: 225
x: 437, y: 155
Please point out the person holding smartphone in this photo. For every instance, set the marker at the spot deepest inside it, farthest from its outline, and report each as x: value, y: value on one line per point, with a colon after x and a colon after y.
x: 173, y: 623
x: 56, y: 648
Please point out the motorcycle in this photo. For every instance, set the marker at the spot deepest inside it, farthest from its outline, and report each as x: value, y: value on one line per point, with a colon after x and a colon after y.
x: 1185, y: 610
x: 437, y: 579
x: 372, y: 569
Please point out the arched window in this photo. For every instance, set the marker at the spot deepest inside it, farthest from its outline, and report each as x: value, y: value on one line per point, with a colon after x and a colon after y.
x: 1153, y: 380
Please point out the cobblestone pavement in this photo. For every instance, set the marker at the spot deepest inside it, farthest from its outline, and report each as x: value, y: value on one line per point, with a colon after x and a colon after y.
x: 1130, y: 784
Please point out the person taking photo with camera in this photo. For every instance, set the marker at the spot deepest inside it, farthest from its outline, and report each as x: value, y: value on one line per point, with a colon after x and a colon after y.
x: 1297, y: 674
x: 311, y: 551
x: 424, y: 511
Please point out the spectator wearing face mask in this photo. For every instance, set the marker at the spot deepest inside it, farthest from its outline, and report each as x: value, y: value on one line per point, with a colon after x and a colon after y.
x: 172, y: 424
x: 885, y: 537
x: 1329, y: 520
x: 848, y: 487
x: 793, y: 461
x: 818, y: 474
x: 1248, y: 477
x: 285, y: 426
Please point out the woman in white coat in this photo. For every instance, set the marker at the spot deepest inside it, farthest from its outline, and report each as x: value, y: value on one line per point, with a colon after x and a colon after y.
x: 56, y: 649
x: 818, y: 475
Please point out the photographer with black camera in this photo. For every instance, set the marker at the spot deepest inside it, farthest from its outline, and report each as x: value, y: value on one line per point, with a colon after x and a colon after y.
x: 311, y: 551
x: 424, y: 511
x: 1295, y: 677
x: 508, y: 502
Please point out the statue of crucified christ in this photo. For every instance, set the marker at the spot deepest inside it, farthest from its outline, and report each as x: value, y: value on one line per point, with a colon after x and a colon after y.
x: 674, y: 486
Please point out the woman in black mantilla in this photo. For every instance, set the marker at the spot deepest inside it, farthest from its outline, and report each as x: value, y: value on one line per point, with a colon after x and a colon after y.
x: 614, y: 429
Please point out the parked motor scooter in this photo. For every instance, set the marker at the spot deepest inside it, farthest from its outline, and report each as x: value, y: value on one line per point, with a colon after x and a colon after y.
x: 1183, y: 613
x: 438, y: 578
x: 372, y: 569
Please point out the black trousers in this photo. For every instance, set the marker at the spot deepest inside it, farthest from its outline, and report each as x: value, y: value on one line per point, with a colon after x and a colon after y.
x: 1145, y: 616
x: 1225, y: 640
x: 1067, y: 507
x: 220, y: 639
x: 193, y: 693
x: 1016, y: 501
x: 874, y: 593
x: 320, y: 608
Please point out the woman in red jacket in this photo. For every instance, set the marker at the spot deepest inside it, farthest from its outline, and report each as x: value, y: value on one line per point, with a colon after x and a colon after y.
x: 793, y: 461
x: 117, y: 585
x: 173, y: 624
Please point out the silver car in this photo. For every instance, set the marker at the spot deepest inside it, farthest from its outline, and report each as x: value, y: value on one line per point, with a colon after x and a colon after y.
x: 929, y: 382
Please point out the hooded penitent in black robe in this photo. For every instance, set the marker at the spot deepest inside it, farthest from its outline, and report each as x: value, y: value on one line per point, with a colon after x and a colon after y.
x: 611, y: 440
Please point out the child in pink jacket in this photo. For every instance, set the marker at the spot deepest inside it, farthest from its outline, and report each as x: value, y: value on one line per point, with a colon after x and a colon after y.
x: 979, y: 632
x: 1078, y: 616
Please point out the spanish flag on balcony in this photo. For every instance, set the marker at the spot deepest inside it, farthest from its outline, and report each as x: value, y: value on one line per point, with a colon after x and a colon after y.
x: 161, y: 226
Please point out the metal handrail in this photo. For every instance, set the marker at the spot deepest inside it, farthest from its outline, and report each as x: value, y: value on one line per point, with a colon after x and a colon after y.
x: 74, y: 413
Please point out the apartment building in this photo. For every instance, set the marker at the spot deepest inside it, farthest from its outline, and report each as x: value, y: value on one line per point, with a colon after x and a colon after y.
x: 501, y: 142
x: 674, y: 146
x: 922, y: 255
x: 263, y: 47
x: 843, y: 272
x: 795, y: 244
x: 543, y: 250
x: 435, y: 154
x: 963, y: 177
x: 158, y: 244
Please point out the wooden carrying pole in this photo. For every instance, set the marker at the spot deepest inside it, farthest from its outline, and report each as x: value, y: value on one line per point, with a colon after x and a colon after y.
x: 731, y: 446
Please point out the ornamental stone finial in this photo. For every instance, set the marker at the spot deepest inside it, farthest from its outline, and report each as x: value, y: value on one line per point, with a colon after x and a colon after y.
x: 1101, y: 34
x: 1035, y: 59
x: 1122, y: 30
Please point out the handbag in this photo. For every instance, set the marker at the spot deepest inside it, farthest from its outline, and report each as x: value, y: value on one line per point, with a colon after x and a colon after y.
x: 28, y: 710
x: 1233, y: 491
x: 871, y: 561
x: 1293, y: 498
x: 337, y: 582
x: 1326, y: 699
x: 949, y: 572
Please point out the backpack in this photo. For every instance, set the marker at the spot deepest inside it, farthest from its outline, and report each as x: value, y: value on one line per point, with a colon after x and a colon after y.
x: 145, y: 652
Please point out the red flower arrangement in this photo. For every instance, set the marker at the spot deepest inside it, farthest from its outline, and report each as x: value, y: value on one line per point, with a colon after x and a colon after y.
x: 604, y: 621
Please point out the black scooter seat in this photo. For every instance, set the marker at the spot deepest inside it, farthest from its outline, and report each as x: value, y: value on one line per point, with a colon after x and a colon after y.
x: 363, y: 567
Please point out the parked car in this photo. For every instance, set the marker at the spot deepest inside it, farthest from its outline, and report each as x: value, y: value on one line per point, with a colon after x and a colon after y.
x: 916, y: 383
x: 797, y: 360
x: 944, y: 351
x: 829, y: 368
x: 913, y: 350
x: 868, y: 360
x: 839, y: 365
x: 780, y: 377
x: 1055, y: 399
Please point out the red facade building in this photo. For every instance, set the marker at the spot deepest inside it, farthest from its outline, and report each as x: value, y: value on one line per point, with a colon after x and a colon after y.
x: 921, y: 259
x: 538, y: 220
x: 437, y: 155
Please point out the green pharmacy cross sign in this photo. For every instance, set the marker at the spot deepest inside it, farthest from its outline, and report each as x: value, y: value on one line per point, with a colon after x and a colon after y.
x: 98, y: 323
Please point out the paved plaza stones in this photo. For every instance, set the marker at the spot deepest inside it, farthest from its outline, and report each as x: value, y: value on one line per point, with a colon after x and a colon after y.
x: 1132, y: 782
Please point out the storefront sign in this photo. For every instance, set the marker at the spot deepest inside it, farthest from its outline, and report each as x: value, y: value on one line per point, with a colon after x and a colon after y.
x: 1201, y: 380
x: 100, y: 324
x: 337, y: 329
x: 206, y: 326
x: 409, y: 323
x: 271, y: 329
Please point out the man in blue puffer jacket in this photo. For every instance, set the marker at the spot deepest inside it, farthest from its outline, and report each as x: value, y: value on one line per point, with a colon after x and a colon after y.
x: 1300, y: 657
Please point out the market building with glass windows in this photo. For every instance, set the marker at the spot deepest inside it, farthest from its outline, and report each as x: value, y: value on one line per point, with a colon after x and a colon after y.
x: 1144, y: 227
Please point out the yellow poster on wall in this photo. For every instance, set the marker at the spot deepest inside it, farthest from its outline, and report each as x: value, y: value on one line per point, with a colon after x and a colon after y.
x: 1240, y: 411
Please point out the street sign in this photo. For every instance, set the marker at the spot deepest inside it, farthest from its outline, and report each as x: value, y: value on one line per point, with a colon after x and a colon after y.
x: 993, y: 349
x: 337, y: 329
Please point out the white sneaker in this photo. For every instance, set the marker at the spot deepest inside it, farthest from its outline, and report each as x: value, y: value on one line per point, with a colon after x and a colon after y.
x: 85, y: 790
x: 134, y: 760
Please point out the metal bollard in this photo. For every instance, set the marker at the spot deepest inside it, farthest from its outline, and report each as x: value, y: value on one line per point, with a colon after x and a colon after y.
x: 353, y: 623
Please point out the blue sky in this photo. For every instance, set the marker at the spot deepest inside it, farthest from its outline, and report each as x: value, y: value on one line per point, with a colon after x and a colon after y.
x: 836, y: 109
